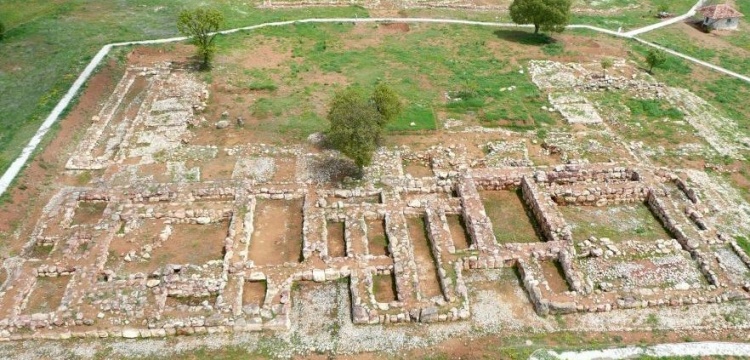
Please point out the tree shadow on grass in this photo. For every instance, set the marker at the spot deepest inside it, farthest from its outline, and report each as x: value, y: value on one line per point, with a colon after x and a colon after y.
x: 525, y: 37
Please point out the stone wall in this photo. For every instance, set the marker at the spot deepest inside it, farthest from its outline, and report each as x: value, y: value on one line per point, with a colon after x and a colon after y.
x: 552, y: 225
x: 661, y: 211
x: 599, y: 195
x: 576, y: 173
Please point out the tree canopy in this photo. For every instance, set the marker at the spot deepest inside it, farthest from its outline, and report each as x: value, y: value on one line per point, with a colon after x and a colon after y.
x: 655, y: 58
x: 547, y: 15
x: 199, y: 24
x: 358, y: 121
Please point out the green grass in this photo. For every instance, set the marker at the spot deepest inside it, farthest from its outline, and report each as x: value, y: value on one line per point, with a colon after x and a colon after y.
x: 744, y: 243
x: 618, y: 223
x: 653, y: 109
x: 422, y: 66
x: 49, y: 42
x: 721, y: 53
x: 422, y: 116
x: 511, y: 221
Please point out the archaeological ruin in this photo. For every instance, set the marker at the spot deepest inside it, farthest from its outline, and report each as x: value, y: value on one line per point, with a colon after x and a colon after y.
x: 179, y: 236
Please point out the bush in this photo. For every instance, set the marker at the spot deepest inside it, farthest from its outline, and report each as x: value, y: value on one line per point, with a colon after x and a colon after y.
x: 553, y: 49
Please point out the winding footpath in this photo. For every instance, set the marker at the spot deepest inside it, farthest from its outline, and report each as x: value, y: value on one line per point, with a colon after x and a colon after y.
x: 18, y: 164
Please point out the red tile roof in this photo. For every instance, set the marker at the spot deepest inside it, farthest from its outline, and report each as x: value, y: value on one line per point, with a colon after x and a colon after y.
x: 721, y: 11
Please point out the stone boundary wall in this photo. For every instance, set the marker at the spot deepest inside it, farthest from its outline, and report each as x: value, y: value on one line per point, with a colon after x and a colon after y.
x: 495, y: 181
x: 689, y: 192
x: 438, y: 236
x: 740, y: 252
x: 661, y: 212
x: 477, y: 223
x: 572, y: 277
x: 552, y: 225
x: 83, y: 158
x: 576, y: 173
x: 598, y: 196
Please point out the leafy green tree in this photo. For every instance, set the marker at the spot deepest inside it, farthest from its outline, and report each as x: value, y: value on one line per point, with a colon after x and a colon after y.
x: 358, y: 121
x: 387, y: 103
x: 2, y: 30
x: 606, y: 64
x: 547, y: 15
x: 199, y: 24
x: 355, y: 126
x: 655, y: 58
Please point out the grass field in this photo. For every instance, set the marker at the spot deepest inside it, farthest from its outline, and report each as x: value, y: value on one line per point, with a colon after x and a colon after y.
x: 49, y: 42
x: 285, y: 77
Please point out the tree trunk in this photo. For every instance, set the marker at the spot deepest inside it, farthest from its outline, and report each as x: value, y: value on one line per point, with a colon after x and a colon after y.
x: 536, y: 28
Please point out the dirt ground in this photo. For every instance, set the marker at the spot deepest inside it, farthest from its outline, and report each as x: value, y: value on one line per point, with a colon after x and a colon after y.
x: 336, y: 242
x: 384, y: 288
x: 377, y: 241
x: 458, y: 231
x: 254, y: 293
x: 278, y: 232
x: 47, y: 294
x: 427, y: 269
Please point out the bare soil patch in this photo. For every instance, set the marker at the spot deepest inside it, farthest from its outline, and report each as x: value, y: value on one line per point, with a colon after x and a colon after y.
x: 47, y: 294
x: 89, y: 212
x: 181, y: 54
x: 555, y: 276
x: 429, y: 284
x: 286, y: 169
x: 218, y: 168
x: 254, y: 293
x: 384, y: 288
x: 417, y: 169
x: 188, y: 244
x: 156, y: 171
x: 278, y: 232
x: 336, y: 242
x: 377, y: 240
x: 458, y: 231
x: 266, y: 55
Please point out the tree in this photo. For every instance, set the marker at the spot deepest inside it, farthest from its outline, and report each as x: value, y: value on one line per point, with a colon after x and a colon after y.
x: 547, y: 15
x: 358, y: 121
x: 655, y: 58
x: 387, y: 103
x: 355, y: 126
x: 2, y: 30
x: 199, y: 24
x: 606, y: 64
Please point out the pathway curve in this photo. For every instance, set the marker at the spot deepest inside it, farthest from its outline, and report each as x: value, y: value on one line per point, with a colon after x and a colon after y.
x: 700, y: 349
x: 18, y: 164
x: 661, y: 24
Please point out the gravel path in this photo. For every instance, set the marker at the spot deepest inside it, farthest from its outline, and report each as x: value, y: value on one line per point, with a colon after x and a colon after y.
x: 12, y: 171
x: 668, y: 22
x: 708, y: 348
